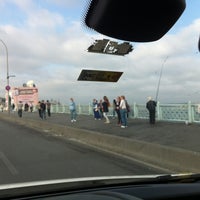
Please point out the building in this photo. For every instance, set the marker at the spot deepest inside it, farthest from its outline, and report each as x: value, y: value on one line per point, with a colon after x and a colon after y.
x: 27, y: 94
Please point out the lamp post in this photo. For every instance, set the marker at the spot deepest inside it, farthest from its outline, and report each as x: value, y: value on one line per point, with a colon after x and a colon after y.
x: 7, y: 76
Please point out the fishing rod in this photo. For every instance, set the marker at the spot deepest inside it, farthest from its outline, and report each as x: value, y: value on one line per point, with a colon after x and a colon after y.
x: 161, y: 71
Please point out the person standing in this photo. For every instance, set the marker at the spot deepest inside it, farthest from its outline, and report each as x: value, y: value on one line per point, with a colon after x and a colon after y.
x: 123, y: 112
x: 100, y: 109
x: 48, y: 108
x: 43, y: 109
x: 1, y: 107
x: 31, y: 107
x: 19, y: 107
x: 72, y: 108
x: 96, y: 109
x: 26, y: 106
x: 114, y: 107
x: 127, y: 108
x: 39, y: 109
x: 105, y: 105
x: 151, y: 107
x: 13, y: 107
x: 118, y: 111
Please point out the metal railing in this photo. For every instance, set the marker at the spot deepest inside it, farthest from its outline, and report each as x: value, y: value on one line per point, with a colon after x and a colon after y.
x: 185, y: 112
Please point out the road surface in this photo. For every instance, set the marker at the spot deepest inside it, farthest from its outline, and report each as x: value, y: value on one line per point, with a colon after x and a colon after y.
x: 30, y: 155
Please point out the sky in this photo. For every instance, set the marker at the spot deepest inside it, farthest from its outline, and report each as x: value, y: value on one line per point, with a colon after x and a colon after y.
x: 47, y: 42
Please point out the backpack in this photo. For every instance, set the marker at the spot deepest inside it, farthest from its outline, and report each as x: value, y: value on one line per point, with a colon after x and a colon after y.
x: 128, y: 107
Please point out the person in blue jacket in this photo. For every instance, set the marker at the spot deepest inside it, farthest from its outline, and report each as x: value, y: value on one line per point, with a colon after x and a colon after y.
x: 72, y: 108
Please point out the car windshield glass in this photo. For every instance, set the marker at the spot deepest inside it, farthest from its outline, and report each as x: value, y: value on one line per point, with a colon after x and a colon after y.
x: 75, y: 103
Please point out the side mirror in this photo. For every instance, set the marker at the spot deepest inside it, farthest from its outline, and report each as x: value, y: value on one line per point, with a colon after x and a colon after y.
x: 134, y: 20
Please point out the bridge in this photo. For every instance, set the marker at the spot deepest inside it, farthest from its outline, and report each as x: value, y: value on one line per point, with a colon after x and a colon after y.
x: 166, y: 145
x: 182, y: 112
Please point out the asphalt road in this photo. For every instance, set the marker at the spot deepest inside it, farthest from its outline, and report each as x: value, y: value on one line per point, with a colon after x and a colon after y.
x: 30, y: 155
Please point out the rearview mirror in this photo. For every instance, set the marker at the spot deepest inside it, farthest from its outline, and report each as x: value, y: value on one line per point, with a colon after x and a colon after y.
x: 134, y: 20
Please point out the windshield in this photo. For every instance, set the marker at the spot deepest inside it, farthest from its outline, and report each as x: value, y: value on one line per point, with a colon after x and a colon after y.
x: 76, y: 103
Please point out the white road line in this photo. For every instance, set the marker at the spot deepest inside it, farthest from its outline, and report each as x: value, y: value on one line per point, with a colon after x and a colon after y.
x: 8, y: 164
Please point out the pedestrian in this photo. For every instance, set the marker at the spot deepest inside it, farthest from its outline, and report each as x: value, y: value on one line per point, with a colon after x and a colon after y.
x: 13, y: 107
x: 19, y: 107
x: 117, y: 109
x: 1, y: 107
x: 72, y: 108
x: 43, y: 109
x: 48, y: 108
x: 127, y: 108
x: 26, y: 106
x: 106, y: 105
x: 123, y: 111
x: 39, y: 109
x: 101, y: 108
x: 151, y: 107
x: 96, y: 110
x: 31, y: 107
x: 114, y: 108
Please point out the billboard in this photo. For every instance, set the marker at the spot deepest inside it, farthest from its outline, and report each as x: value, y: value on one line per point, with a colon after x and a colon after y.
x: 25, y: 95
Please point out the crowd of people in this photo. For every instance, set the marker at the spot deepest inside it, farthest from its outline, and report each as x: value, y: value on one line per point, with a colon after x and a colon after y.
x: 101, y: 108
x: 43, y: 108
x: 120, y: 106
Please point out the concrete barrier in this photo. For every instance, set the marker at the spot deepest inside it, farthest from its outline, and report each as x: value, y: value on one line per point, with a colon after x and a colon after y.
x: 172, y: 159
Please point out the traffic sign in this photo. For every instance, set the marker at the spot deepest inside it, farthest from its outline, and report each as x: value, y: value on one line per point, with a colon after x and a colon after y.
x: 8, y: 87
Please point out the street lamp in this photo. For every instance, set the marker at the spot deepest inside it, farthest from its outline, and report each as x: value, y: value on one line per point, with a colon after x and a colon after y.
x: 7, y: 77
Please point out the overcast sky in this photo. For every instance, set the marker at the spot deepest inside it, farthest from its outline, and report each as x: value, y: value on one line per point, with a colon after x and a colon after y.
x: 47, y: 43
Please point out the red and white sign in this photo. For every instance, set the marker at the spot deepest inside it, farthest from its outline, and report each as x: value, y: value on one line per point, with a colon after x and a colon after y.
x: 7, y: 87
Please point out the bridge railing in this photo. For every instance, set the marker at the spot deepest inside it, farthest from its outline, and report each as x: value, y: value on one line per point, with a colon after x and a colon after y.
x: 185, y: 112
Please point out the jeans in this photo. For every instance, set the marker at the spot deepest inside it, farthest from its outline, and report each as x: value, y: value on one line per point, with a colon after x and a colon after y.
x: 43, y: 114
x: 123, y: 113
x: 73, y: 114
x: 106, y: 117
x: 96, y: 114
x: 49, y: 112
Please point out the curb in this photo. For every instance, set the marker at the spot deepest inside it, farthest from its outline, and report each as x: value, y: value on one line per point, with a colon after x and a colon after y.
x: 173, y: 159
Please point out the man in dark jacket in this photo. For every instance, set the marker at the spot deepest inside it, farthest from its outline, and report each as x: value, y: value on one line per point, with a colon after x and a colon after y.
x: 43, y: 109
x: 151, y: 106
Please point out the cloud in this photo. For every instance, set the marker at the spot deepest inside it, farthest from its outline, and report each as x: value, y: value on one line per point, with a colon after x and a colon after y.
x: 49, y: 48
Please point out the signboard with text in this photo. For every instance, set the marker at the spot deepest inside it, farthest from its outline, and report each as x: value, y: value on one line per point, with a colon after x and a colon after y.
x: 98, y: 75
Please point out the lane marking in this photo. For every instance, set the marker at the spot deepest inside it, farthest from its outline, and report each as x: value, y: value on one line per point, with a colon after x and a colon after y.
x: 8, y: 164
